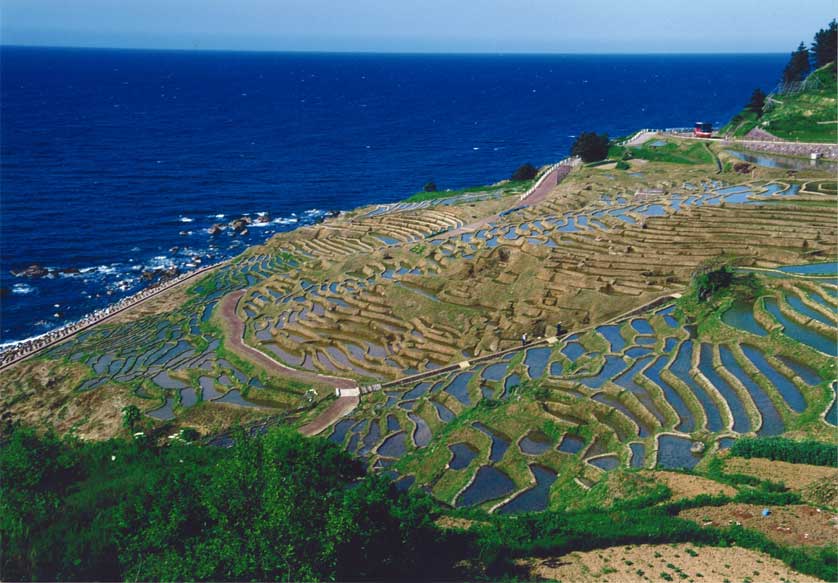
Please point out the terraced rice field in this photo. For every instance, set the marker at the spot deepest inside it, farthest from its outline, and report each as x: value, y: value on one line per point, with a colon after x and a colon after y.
x: 639, y: 392
x: 430, y: 292
x: 391, y: 291
x: 172, y: 359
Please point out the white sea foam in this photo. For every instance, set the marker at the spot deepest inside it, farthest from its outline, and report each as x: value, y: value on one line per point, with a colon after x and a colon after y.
x: 185, y: 220
x: 22, y: 289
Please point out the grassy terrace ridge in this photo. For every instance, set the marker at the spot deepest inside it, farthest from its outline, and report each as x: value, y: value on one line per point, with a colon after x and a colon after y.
x: 504, y: 187
x: 807, y: 116
x: 672, y: 151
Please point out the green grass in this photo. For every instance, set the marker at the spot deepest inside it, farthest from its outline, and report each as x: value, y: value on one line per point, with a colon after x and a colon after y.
x: 510, y: 187
x: 796, y: 116
x: 672, y: 152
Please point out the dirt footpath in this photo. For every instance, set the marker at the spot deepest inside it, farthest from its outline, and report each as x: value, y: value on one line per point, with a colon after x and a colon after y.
x: 235, y: 332
x: 342, y: 406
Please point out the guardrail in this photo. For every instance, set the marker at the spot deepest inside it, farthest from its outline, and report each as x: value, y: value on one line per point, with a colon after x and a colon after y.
x: 571, y: 161
x: 18, y: 351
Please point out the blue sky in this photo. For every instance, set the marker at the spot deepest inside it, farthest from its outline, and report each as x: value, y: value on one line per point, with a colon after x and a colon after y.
x: 495, y: 26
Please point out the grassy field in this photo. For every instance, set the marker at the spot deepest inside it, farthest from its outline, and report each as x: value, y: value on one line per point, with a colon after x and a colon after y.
x: 673, y: 152
x: 504, y: 187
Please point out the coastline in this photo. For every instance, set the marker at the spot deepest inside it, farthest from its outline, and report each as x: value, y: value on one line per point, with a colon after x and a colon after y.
x: 13, y: 352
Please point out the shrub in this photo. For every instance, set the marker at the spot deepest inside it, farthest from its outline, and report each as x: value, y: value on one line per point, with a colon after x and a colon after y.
x: 525, y: 172
x: 430, y: 187
x: 787, y: 450
x: 591, y: 147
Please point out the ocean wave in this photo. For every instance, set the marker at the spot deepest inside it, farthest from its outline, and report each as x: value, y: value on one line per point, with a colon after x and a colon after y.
x: 185, y: 220
x: 22, y: 289
x: 99, y: 270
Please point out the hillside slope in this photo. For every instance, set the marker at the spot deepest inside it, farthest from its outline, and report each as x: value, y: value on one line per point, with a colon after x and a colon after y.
x: 807, y: 116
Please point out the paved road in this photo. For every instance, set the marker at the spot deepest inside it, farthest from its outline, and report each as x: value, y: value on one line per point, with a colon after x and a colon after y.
x: 535, y: 197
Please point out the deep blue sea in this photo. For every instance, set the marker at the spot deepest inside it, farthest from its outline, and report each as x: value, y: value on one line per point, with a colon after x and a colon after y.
x: 111, y: 159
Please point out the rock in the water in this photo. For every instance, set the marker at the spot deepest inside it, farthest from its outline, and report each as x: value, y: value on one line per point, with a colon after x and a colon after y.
x: 240, y: 224
x: 32, y: 271
x: 215, y: 229
x: 262, y: 219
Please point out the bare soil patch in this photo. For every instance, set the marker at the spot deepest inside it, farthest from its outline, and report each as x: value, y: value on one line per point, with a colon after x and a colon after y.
x: 683, y: 562
x: 788, y: 525
x: 164, y: 303
x: 687, y: 486
x: 39, y: 393
x: 795, y: 476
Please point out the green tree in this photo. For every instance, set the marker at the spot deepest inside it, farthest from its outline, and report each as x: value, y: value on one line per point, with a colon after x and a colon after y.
x: 798, y: 65
x: 825, y: 45
x: 277, y: 507
x: 525, y: 172
x: 130, y: 415
x: 591, y: 147
x: 757, y: 102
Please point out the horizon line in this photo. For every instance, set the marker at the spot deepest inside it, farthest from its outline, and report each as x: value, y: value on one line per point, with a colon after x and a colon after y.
x: 394, y: 53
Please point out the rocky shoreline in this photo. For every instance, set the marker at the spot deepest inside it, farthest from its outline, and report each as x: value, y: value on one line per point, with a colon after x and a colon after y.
x: 17, y: 351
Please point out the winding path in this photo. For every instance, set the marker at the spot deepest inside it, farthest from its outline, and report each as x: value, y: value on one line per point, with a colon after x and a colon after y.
x: 235, y: 341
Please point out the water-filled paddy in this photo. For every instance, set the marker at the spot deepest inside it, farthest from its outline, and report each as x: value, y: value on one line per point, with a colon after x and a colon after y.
x: 772, y: 422
x: 463, y: 454
x: 606, y: 462
x: 638, y: 455
x: 571, y: 444
x: 674, y: 452
x: 787, y: 389
x: 536, y: 361
x: 500, y: 443
x: 741, y: 421
x: 489, y: 483
x: 741, y: 315
x: 535, y: 443
x: 800, y: 333
x: 687, y: 420
x: 535, y: 498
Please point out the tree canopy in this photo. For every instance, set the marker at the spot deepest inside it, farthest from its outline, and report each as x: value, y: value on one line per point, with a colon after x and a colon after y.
x: 798, y: 65
x: 278, y: 507
x: 591, y: 147
x: 825, y: 45
x: 757, y: 102
x: 525, y: 172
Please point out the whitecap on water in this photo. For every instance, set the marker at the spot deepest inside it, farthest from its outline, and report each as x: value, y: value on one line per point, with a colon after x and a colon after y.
x: 185, y: 220
x: 22, y: 289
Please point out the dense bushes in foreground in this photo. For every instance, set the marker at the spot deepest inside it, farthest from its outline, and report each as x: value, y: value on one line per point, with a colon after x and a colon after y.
x: 787, y: 450
x: 284, y: 507
x: 280, y: 507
